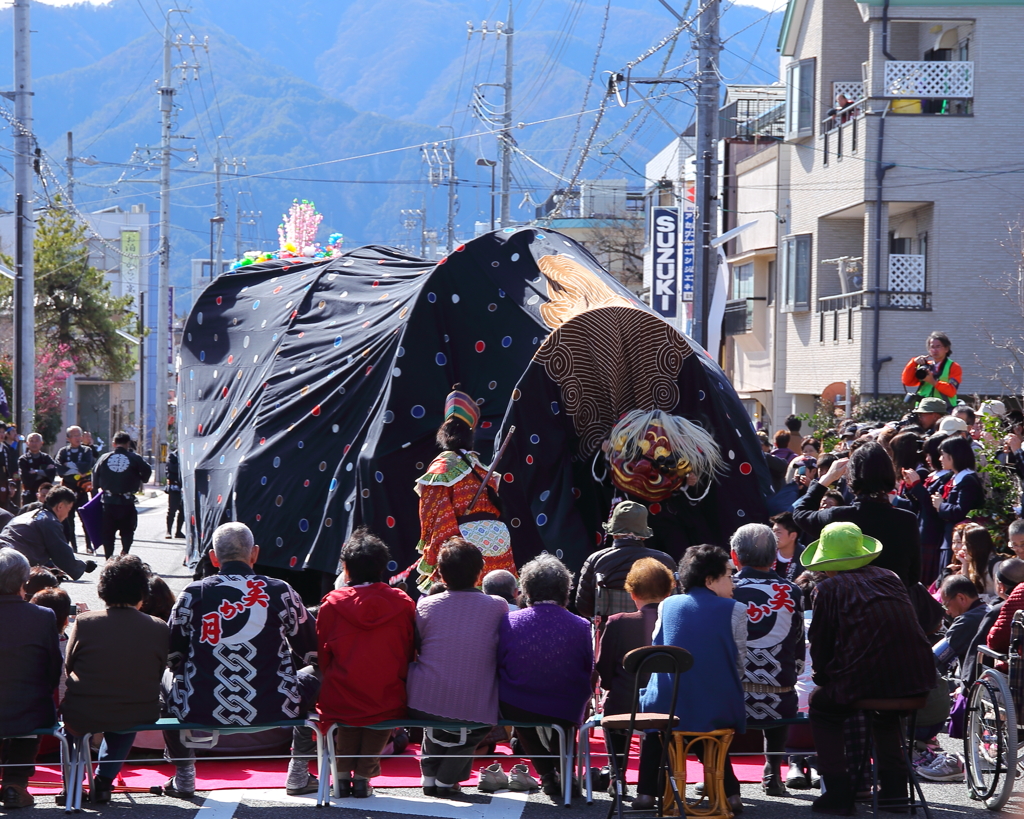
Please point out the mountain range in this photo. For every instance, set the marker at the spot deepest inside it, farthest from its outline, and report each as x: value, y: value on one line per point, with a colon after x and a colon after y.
x: 329, y: 101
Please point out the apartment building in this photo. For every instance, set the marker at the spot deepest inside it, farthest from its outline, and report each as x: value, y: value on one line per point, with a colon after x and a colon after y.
x: 896, y: 190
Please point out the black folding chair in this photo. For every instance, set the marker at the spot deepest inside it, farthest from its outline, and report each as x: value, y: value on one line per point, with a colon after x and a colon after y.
x: 642, y: 662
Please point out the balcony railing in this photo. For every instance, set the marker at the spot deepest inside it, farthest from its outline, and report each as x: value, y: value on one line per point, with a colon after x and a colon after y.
x: 840, y: 131
x: 747, y: 119
x: 927, y: 80
x: 865, y: 299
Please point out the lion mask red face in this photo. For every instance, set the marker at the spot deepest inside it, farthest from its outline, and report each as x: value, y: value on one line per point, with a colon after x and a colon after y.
x: 647, y: 468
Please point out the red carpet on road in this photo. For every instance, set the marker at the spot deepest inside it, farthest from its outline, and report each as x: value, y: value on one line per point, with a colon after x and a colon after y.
x: 396, y: 771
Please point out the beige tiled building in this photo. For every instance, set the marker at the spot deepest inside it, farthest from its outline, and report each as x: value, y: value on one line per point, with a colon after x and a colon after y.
x: 838, y: 283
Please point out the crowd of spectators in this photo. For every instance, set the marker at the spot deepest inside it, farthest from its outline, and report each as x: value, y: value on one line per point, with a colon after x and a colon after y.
x: 877, y: 543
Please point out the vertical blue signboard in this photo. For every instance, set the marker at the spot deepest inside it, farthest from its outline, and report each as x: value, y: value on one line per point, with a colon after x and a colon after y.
x: 665, y: 243
x: 689, y: 250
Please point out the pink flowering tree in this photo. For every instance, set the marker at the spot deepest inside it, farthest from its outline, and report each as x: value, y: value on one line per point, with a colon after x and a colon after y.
x: 54, y: 363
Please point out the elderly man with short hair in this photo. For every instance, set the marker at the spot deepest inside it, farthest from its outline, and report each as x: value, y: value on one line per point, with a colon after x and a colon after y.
x: 30, y: 664
x: 35, y: 467
x: 74, y: 463
x: 775, y: 641
x: 39, y: 535
x: 502, y: 583
x: 233, y: 637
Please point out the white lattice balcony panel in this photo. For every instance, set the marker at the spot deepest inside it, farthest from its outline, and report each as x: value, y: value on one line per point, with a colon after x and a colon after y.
x: 929, y: 80
x: 906, y: 275
x: 853, y: 91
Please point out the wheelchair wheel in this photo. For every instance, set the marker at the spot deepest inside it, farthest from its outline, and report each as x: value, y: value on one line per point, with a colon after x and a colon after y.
x: 990, y: 740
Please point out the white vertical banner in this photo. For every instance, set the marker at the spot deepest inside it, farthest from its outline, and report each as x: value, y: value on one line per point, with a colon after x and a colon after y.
x: 130, y: 267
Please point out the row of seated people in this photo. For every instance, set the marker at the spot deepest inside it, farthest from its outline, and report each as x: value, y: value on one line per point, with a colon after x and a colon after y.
x: 240, y: 648
x: 370, y: 655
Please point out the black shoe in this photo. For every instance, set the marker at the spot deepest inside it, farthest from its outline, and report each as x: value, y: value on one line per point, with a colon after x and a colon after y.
x: 344, y: 788
x: 834, y: 804
x: 101, y: 790
x: 312, y: 786
x: 430, y: 790
x: 773, y: 786
x: 447, y: 793
x: 180, y: 535
x: 550, y: 785
x: 174, y: 793
x: 361, y: 788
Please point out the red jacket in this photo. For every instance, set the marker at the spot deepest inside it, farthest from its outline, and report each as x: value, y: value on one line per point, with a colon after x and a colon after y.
x: 999, y: 637
x: 365, y: 638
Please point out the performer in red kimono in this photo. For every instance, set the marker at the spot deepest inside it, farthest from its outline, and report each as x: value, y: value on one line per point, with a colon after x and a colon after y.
x: 447, y: 489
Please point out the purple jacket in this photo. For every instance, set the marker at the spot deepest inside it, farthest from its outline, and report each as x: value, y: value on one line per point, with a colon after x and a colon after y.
x: 545, y: 658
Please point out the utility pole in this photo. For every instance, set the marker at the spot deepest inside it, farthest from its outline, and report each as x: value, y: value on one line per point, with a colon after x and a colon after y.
x: 506, y: 136
x: 70, y: 159
x: 409, y: 219
x: 243, y: 217
x: 440, y: 159
x: 220, y: 164
x: 167, y: 91
x: 24, y: 154
x: 506, y: 30
x: 708, y: 48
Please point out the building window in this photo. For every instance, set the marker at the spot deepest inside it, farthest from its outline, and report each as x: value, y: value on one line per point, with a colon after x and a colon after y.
x: 800, y: 99
x: 796, y: 272
x: 771, y: 282
x: 743, y: 281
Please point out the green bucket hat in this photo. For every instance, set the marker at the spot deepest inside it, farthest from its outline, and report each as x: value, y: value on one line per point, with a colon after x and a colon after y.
x: 841, y: 546
x: 933, y: 405
x: 629, y: 518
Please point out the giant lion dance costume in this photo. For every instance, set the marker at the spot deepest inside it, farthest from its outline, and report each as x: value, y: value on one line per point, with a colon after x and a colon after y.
x: 310, y: 391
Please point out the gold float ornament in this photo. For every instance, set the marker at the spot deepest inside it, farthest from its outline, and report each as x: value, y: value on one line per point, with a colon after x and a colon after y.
x: 651, y: 453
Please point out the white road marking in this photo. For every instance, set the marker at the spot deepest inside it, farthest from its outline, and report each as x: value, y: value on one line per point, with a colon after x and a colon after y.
x: 220, y: 804
x: 507, y: 805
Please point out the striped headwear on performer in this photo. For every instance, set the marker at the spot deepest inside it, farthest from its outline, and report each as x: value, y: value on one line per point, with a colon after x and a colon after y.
x: 461, y: 406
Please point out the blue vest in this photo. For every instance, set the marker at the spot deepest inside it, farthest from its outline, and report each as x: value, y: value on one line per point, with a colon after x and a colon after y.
x: 710, y: 694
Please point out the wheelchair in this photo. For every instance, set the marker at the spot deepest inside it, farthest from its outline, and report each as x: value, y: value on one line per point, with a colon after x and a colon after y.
x: 991, y: 724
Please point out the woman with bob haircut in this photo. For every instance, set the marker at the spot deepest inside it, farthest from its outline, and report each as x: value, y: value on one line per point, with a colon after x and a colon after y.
x: 115, y: 659
x: 648, y: 583
x: 962, y: 493
x: 707, y: 622
x: 872, y: 478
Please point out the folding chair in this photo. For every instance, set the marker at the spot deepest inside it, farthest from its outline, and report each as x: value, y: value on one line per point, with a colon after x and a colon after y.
x: 640, y: 662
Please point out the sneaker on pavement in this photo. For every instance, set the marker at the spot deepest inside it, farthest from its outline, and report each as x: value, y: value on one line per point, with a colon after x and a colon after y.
x: 945, y: 768
x: 492, y: 778
x: 519, y: 779
x: 796, y: 779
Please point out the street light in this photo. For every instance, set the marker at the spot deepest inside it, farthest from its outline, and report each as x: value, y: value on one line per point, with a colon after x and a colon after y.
x: 489, y: 163
x: 214, y: 220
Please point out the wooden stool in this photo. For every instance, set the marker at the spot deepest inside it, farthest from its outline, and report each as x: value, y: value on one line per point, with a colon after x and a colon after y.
x: 716, y: 752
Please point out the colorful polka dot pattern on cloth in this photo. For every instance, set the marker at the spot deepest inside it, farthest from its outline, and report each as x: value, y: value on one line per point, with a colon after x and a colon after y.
x: 309, y: 393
